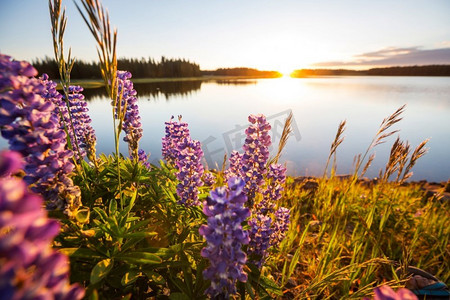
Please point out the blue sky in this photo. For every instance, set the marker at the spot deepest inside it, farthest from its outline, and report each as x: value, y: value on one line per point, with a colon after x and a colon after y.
x: 278, y: 35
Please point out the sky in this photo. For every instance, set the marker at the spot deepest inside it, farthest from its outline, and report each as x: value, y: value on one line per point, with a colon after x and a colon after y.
x: 277, y: 35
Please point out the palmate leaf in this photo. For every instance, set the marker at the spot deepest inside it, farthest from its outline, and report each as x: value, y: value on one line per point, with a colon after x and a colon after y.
x: 101, y: 270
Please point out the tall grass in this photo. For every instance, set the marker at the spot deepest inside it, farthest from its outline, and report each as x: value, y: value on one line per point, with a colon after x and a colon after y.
x: 348, y: 236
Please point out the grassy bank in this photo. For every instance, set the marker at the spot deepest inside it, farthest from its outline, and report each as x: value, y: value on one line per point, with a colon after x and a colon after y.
x: 347, y: 237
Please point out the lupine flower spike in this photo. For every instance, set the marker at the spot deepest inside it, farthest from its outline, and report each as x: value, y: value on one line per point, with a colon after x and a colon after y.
x: 276, y: 178
x: 131, y: 119
x: 29, y: 267
x: 175, y: 133
x: 225, y: 236
x: 32, y: 128
x: 235, y: 168
x: 77, y: 123
x: 260, y: 234
x: 256, y: 154
x: 190, y: 171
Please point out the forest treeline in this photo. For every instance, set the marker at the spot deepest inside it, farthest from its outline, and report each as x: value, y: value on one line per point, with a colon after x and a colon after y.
x: 248, y: 72
x: 431, y: 70
x: 140, y: 68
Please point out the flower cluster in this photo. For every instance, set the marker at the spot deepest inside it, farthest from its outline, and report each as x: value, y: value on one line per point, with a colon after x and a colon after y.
x: 224, y: 235
x: 32, y: 128
x: 280, y: 226
x: 175, y: 133
x: 77, y: 123
x: 190, y: 171
x: 209, y: 179
x: 235, y: 168
x: 131, y: 120
x: 260, y: 238
x: 85, y: 134
x: 29, y: 267
x: 143, y: 158
x: 185, y: 154
x: 276, y: 177
x: 385, y: 292
x: 256, y: 154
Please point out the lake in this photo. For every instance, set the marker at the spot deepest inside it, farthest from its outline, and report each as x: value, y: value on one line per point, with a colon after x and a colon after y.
x: 217, y: 112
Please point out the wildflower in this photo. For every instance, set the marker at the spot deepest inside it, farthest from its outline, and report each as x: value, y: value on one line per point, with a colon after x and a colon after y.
x: 190, y: 171
x: 175, y: 133
x: 131, y: 119
x: 276, y: 178
x: 260, y: 234
x: 235, y: 168
x: 208, y: 179
x: 385, y: 292
x: 143, y: 158
x: 29, y: 124
x: 77, y: 122
x: 29, y: 267
x: 225, y: 236
x: 280, y: 226
x: 256, y: 154
x: 81, y: 122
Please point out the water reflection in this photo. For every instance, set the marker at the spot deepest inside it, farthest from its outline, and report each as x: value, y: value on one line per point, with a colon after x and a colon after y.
x: 169, y: 89
x: 153, y: 90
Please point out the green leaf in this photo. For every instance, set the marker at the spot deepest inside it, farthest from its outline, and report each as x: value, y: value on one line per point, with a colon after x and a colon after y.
x: 140, y: 258
x: 130, y: 277
x: 270, y: 286
x: 178, y: 296
x: 82, y: 215
x: 155, y: 277
x: 112, y: 206
x: 80, y: 252
x: 142, y: 234
x: 100, y: 270
x: 102, y: 214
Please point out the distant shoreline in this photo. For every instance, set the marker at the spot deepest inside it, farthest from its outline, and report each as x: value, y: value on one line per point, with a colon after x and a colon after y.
x: 97, y: 83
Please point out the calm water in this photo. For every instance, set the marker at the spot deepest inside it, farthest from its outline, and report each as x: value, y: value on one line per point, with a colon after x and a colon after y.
x: 217, y: 115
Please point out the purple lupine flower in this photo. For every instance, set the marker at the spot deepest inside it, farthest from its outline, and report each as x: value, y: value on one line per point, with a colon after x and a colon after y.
x: 13, y: 72
x: 29, y: 124
x: 256, y: 154
x: 260, y: 234
x: 85, y: 134
x: 29, y: 267
x: 190, y: 171
x: 143, y: 158
x: 175, y: 133
x: 280, y: 226
x: 132, y: 120
x: 225, y: 236
x: 276, y: 178
x: 235, y: 168
x: 77, y: 123
x: 385, y: 292
x: 10, y: 161
x: 209, y: 179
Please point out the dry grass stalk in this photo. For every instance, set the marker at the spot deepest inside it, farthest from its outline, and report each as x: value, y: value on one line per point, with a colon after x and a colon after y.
x: 58, y: 21
x: 97, y: 20
x: 287, y: 130
x: 367, y: 165
x: 337, y: 141
x: 381, y: 135
x: 418, y: 153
